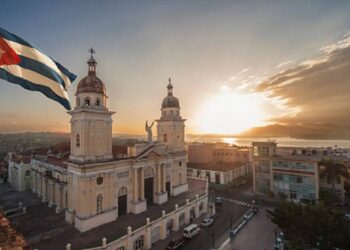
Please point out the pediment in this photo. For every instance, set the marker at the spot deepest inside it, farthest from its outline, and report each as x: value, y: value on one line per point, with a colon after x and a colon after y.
x: 152, y: 152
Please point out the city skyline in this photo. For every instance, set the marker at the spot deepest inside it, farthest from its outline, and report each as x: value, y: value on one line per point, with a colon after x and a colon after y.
x: 272, y: 69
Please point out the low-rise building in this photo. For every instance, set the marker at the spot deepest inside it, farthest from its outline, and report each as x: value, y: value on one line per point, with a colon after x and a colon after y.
x: 221, y: 163
x: 288, y: 173
x: 218, y: 173
x: 20, y: 172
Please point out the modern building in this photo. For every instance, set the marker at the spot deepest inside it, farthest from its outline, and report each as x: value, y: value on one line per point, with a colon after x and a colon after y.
x: 94, y: 182
x: 291, y: 172
x: 221, y: 163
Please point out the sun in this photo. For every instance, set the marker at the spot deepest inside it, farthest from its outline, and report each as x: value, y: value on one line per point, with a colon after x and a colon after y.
x: 230, y: 112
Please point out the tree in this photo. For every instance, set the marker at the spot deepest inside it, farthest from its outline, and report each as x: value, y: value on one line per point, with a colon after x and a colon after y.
x: 313, y: 225
x: 333, y: 171
x: 328, y: 197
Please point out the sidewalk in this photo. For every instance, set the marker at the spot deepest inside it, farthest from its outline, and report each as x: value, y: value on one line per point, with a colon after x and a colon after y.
x: 258, y: 234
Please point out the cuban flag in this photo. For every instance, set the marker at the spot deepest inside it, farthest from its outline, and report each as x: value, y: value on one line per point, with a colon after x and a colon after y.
x: 23, y: 64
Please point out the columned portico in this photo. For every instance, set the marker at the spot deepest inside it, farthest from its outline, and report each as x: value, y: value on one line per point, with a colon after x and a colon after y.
x: 161, y: 196
x: 135, y: 188
x: 138, y: 206
x: 142, y: 170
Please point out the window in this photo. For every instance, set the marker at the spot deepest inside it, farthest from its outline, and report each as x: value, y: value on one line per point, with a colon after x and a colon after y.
x: 180, y: 178
x: 180, y: 163
x: 139, y: 243
x: 299, y: 179
x: 171, y: 112
x: 77, y: 140
x: 87, y: 101
x: 98, y: 102
x: 27, y: 173
x: 99, y: 180
x: 99, y: 203
x: 78, y: 101
x: 165, y: 138
x: 293, y: 195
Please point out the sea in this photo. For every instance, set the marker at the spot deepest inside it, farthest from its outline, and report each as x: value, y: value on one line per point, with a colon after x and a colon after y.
x: 281, y: 141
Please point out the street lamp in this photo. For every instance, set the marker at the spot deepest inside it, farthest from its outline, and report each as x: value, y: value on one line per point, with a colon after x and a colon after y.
x: 213, y: 235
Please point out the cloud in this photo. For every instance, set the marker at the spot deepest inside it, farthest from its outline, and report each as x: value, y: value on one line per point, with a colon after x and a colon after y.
x: 284, y: 64
x: 318, y: 90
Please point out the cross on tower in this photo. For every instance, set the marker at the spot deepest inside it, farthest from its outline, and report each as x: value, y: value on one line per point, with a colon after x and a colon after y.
x: 92, y: 51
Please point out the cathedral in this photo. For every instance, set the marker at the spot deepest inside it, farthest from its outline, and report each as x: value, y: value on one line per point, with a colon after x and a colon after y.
x: 101, y: 186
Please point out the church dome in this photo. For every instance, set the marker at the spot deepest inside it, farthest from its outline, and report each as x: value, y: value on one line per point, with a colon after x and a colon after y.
x: 170, y: 101
x: 91, y: 83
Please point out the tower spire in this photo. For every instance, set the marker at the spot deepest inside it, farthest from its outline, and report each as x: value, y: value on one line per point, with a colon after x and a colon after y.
x: 92, y: 62
x: 170, y: 88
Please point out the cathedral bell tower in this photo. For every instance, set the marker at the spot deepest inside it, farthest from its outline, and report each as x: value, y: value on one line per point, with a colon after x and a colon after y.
x: 171, y: 126
x: 91, y: 121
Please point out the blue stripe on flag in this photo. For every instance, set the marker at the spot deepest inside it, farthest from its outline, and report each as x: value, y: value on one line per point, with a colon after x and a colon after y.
x: 34, y: 87
x: 41, y: 69
x: 65, y: 71
x: 12, y: 37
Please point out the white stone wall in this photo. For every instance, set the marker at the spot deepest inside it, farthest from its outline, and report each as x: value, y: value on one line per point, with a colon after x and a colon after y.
x: 128, y: 240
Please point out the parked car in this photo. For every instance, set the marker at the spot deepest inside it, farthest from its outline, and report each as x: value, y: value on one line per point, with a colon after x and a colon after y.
x: 191, y: 231
x: 207, y: 222
x: 347, y: 216
x: 219, y: 200
x: 176, y: 243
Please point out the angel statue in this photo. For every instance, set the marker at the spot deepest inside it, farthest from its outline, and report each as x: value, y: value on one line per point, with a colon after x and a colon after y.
x: 149, y: 131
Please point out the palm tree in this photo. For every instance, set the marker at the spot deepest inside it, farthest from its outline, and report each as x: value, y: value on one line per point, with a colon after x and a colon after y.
x: 333, y: 171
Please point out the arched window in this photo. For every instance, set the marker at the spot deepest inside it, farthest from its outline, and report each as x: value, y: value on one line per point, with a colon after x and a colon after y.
x: 87, y: 101
x: 99, y: 203
x: 77, y: 140
x: 165, y: 138
x: 98, y: 102
x: 78, y: 101
x: 99, y: 180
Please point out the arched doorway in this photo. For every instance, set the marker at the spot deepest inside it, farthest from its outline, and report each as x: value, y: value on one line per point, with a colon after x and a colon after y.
x: 155, y: 235
x: 149, y: 184
x: 192, y: 214
x: 122, y: 201
x: 182, y: 219
x: 169, y: 226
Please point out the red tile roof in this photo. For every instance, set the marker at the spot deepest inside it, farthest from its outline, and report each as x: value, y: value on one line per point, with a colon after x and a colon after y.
x: 19, y: 159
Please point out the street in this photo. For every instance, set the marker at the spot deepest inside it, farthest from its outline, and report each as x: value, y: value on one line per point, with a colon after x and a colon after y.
x: 236, y: 203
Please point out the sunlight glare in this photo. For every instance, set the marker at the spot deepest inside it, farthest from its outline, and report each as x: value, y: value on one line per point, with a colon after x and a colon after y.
x: 230, y: 113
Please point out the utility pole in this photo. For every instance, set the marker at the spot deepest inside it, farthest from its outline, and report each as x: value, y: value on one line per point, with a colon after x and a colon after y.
x: 213, y: 235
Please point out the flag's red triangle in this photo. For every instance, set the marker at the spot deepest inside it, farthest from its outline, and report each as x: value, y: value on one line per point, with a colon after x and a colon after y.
x: 7, y: 55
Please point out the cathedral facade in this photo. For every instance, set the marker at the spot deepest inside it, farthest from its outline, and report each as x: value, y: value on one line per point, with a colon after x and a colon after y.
x: 102, y: 186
